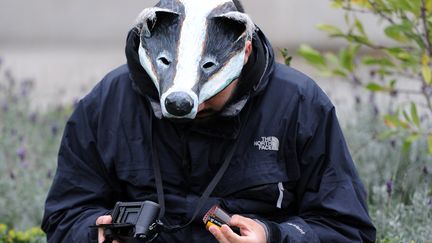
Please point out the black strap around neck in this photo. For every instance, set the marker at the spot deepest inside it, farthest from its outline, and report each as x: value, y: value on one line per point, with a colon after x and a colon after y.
x: 207, y: 192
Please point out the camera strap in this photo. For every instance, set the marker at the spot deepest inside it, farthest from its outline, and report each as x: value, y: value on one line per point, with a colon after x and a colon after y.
x: 207, y: 192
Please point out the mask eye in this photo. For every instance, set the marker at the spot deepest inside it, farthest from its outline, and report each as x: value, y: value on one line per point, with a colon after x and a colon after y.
x: 164, y: 61
x: 209, y: 65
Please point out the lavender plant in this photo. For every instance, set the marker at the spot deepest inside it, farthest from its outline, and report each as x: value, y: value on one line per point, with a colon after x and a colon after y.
x: 28, y: 147
x: 400, y: 204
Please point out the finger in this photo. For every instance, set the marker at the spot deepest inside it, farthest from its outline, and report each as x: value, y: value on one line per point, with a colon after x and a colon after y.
x: 238, y: 220
x: 230, y: 235
x: 249, y: 227
x: 106, y: 219
x: 216, y: 232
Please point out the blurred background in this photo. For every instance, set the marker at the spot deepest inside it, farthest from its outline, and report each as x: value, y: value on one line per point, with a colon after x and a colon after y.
x: 67, y: 46
x: 372, y: 57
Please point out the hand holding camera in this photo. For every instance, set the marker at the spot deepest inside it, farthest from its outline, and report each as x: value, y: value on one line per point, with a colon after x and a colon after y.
x: 129, y: 221
x: 138, y: 220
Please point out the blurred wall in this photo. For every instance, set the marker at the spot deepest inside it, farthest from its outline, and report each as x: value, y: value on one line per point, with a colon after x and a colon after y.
x: 103, y: 23
x: 66, y: 46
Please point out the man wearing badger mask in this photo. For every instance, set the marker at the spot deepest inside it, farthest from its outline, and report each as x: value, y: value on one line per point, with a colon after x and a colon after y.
x: 202, y: 115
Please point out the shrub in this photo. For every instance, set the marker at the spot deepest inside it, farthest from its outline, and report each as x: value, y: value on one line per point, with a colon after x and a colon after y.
x: 400, y: 204
x: 28, y: 146
x: 400, y: 69
x: 33, y: 235
x: 391, y: 143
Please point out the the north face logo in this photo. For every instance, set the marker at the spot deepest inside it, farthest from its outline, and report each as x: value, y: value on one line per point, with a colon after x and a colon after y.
x: 268, y: 143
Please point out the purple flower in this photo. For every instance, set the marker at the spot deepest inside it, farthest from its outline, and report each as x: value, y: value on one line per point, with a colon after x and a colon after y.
x: 357, y: 100
x: 389, y: 187
x: 21, y: 153
x: 25, y: 87
x: 12, y: 175
x: 49, y: 174
x: 33, y: 117
x: 54, y: 129
x: 393, y: 143
x: 376, y: 110
x: 10, y: 78
x: 4, y: 106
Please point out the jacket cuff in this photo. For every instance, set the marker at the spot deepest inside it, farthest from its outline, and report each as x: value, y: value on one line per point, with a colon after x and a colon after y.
x: 293, y: 230
x: 272, y: 231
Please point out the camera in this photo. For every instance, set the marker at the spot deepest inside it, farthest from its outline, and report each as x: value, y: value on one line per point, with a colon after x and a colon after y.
x: 132, y: 221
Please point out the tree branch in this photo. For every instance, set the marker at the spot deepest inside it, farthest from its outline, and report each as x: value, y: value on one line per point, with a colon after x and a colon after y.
x: 426, y: 28
x: 381, y: 14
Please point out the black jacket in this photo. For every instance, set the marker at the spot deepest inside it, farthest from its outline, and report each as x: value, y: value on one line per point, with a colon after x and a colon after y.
x: 292, y: 169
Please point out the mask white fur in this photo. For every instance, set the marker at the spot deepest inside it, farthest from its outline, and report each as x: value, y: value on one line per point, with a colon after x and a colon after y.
x: 192, y: 39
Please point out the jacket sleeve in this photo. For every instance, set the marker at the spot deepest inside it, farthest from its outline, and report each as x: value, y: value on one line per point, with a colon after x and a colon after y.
x: 80, y: 191
x: 331, y: 197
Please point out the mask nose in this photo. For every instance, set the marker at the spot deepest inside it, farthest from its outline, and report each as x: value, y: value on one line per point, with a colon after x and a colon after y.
x: 179, y: 103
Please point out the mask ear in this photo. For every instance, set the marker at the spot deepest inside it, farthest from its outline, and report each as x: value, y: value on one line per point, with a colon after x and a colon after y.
x: 147, y: 19
x: 241, y: 23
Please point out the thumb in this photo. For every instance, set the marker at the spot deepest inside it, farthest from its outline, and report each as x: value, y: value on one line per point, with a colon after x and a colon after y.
x: 106, y: 219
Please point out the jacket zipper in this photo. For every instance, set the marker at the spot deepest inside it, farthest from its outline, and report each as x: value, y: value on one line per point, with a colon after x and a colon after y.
x: 281, y: 191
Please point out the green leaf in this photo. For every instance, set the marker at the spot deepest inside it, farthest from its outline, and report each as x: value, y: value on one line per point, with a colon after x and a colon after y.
x: 337, y: 4
x: 358, y: 39
x: 392, y: 121
x: 396, y: 32
x: 387, y: 134
x: 311, y: 55
x: 409, y: 141
x: 368, y: 60
x: 330, y: 29
x: 428, y: 4
x: 412, y: 6
x: 403, y: 55
x: 332, y: 59
x: 375, y: 87
x: 392, y: 84
x: 427, y: 74
x: 287, y: 58
x: 425, y: 59
x: 338, y: 72
x: 406, y: 146
x: 346, y: 57
x: 359, y: 25
x: 429, y: 19
x: 406, y: 116
x: 412, y: 138
x: 414, y: 115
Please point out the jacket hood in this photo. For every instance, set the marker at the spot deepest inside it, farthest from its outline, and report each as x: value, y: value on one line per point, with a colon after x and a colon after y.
x: 253, y: 79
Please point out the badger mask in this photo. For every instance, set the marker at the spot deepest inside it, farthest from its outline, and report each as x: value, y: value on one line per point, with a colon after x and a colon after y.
x: 192, y: 50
